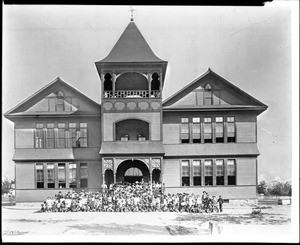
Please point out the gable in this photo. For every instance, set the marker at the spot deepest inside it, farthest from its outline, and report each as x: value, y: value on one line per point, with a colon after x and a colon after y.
x: 56, y: 98
x: 210, y: 90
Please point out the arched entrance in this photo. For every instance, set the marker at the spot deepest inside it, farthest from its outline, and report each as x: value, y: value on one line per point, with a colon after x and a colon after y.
x: 132, y: 175
x: 156, y: 175
x: 109, y: 177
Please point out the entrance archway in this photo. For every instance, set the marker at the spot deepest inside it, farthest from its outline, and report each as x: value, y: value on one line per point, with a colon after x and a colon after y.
x: 156, y: 175
x: 109, y: 177
x: 128, y: 164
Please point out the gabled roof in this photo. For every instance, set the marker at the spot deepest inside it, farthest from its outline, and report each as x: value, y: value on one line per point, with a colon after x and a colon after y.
x: 43, y: 92
x: 249, y: 101
x: 131, y: 47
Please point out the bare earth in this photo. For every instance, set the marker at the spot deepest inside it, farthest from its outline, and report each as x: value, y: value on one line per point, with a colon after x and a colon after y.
x: 27, y: 223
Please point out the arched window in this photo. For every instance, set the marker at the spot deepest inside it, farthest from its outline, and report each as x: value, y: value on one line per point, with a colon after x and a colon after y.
x: 108, y: 82
x: 132, y: 129
x: 155, y: 83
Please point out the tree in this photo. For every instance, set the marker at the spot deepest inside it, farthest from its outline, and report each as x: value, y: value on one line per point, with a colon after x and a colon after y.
x: 262, y: 187
x: 6, y: 186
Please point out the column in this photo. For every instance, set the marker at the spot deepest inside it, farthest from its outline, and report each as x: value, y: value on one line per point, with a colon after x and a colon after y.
x: 150, y: 169
x: 67, y: 175
x: 114, y: 84
x: 213, y: 132
x: 225, y: 173
x: 225, y: 132
x: 202, y: 173
x: 191, y: 173
x: 103, y: 182
x: 102, y: 84
x: 214, y: 172
x: 160, y: 83
x: 115, y: 178
x: 149, y: 84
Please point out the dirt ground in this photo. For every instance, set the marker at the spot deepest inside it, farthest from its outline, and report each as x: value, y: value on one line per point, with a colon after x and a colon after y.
x: 27, y: 223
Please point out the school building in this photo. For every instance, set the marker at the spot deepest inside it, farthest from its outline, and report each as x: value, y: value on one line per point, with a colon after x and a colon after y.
x: 203, y: 137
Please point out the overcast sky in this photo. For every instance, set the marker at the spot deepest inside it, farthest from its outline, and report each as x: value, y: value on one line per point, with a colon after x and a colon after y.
x: 248, y: 46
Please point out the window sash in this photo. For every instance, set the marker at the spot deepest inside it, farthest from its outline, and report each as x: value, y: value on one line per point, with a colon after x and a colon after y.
x: 184, y: 120
x: 196, y: 168
x: 83, y: 171
x: 219, y: 130
x: 207, y: 131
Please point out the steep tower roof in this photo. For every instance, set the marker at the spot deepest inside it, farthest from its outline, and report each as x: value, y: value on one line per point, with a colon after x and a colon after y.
x: 131, y: 47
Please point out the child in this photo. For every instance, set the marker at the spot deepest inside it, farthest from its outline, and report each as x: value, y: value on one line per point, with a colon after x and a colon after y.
x: 220, y: 201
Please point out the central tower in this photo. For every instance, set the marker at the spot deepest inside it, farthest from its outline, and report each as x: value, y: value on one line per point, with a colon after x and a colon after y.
x: 132, y: 79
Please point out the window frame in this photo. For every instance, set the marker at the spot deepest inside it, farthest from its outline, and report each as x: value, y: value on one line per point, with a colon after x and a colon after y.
x: 184, y: 125
x: 185, y: 175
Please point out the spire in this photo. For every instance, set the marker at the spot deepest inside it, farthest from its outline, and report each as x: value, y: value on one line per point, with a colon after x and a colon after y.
x: 131, y: 47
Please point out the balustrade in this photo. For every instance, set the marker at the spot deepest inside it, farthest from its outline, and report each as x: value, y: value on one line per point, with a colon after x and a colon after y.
x: 131, y: 94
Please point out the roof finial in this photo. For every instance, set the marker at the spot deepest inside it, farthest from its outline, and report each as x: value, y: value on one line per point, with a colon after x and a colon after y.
x: 132, y: 10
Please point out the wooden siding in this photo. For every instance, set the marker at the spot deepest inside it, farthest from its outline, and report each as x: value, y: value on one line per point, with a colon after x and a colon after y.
x: 94, y: 175
x: 246, y: 132
x: 246, y: 171
x: 110, y: 118
x: 25, y: 175
x: 24, y: 138
x: 171, y: 170
x: 171, y: 133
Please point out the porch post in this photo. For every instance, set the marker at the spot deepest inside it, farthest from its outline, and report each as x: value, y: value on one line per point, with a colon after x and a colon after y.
x: 114, y: 84
x: 149, y: 84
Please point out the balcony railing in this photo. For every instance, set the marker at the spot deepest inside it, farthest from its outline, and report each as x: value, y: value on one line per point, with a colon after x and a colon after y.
x: 131, y: 94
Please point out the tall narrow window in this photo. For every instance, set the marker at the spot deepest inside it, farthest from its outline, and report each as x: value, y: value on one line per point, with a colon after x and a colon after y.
x: 50, y: 175
x: 72, y: 135
x: 230, y: 129
x: 83, y: 135
x: 72, y: 175
x: 207, y: 130
x: 231, y: 172
x: 61, y: 175
x: 208, y: 100
x: 185, y: 136
x: 39, y: 175
x: 197, y: 172
x: 196, y: 130
x: 219, y: 130
x: 208, y: 168
x: 220, y: 171
x: 39, y: 135
x: 185, y: 172
x: 61, y: 143
x: 50, y: 135
x: 83, y: 175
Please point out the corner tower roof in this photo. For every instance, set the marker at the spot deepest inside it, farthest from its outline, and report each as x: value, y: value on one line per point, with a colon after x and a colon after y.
x: 131, y: 47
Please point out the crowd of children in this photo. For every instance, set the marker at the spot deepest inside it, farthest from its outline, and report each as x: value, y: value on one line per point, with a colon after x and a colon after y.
x: 135, y: 197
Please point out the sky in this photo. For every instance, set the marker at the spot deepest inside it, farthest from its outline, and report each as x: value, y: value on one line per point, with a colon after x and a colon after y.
x: 249, y: 46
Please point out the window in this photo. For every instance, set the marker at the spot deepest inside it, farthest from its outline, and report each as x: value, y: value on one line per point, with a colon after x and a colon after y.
x: 50, y: 175
x: 230, y: 129
x: 50, y: 135
x: 39, y: 175
x: 185, y: 172
x: 141, y: 137
x: 208, y: 95
x: 219, y: 130
x: 231, y: 171
x: 185, y: 136
x: 61, y: 143
x: 82, y: 139
x: 197, y: 172
x: 207, y: 130
x: 72, y: 135
x: 220, y: 171
x: 196, y: 130
x: 39, y: 135
x: 61, y: 175
x: 208, y: 168
x: 72, y: 175
x: 83, y: 175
